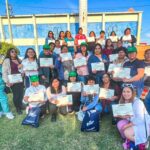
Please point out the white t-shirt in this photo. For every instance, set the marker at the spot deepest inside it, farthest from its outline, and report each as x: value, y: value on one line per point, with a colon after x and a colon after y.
x: 57, y: 50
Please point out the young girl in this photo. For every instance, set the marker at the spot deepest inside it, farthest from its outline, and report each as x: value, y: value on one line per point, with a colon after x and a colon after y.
x: 29, y: 65
x: 53, y: 91
x: 50, y: 38
x: 10, y: 67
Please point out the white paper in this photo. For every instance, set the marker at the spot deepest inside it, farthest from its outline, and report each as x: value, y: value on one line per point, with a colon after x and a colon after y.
x: 106, y: 93
x: 91, y: 89
x: 78, y: 62
x: 70, y: 43
x: 91, y: 39
x: 80, y: 41
x: 122, y: 109
x: 61, y: 42
x: 51, y: 41
x: 147, y: 71
x: 120, y: 72
x: 99, y: 66
x: 113, y: 57
x: 64, y: 100
x: 112, y: 66
x: 15, y: 78
x: 39, y: 96
x: 126, y: 38
x: 65, y: 56
x: 46, y: 62
x: 30, y: 66
x: 113, y: 38
x: 74, y: 87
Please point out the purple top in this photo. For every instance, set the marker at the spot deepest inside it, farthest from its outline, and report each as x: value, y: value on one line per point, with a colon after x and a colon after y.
x: 14, y: 67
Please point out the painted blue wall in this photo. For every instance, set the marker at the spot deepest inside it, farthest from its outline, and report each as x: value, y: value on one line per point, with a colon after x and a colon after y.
x: 119, y: 27
x: 43, y: 29
x: 20, y: 31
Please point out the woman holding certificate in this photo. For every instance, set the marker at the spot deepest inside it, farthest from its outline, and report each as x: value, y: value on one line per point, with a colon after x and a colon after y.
x: 29, y: 65
x: 55, y: 91
x: 80, y: 63
x: 134, y: 126
x: 13, y: 78
x: 50, y: 38
x: 61, y: 38
x: 96, y: 63
x: 91, y: 41
x: 102, y: 39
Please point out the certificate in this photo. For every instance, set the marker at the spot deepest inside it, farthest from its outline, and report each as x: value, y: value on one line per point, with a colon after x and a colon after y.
x: 120, y: 72
x: 74, y: 86
x: 61, y: 42
x: 78, y: 62
x: 106, y: 93
x: 81, y: 41
x: 31, y: 66
x: 112, y: 66
x: 51, y: 41
x: 98, y: 66
x: 147, y: 71
x: 113, y: 57
x: 113, y: 38
x: 122, y: 109
x: 39, y: 96
x: 64, y: 100
x: 46, y: 62
x: 65, y: 56
x: 91, y: 39
x: 91, y: 89
x: 70, y: 43
x: 15, y: 78
x: 126, y: 38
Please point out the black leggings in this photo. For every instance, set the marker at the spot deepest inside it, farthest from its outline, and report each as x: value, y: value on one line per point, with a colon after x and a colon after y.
x: 17, y: 90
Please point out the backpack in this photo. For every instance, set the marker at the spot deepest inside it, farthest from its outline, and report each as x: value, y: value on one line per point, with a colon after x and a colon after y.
x: 90, y: 121
x: 32, y: 117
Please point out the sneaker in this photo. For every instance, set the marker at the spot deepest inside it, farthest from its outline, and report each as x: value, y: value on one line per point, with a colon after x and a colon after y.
x: 1, y: 114
x: 9, y: 115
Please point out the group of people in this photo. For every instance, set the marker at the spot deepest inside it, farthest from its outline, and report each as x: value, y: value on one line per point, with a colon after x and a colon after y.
x: 88, y: 63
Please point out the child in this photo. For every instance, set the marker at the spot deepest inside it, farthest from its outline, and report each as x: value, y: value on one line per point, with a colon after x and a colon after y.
x: 34, y: 89
x: 4, y: 107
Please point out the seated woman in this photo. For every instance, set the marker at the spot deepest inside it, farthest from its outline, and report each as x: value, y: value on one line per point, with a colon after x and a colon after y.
x: 36, y: 88
x: 75, y: 95
x: 90, y: 101
x: 53, y: 91
x: 134, y: 127
x: 107, y: 83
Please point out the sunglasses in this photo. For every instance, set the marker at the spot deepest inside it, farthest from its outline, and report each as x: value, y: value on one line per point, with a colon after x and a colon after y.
x: 13, y: 51
x: 128, y: 85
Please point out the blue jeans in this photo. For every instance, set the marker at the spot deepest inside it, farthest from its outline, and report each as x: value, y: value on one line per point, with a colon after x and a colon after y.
x: 82, y: 79
x: 147, y: 102
x: 27, y: 82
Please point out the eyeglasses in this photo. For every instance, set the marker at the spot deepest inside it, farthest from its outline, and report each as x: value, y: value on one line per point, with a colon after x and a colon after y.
x: 13, y: 51
x: 128, y: 85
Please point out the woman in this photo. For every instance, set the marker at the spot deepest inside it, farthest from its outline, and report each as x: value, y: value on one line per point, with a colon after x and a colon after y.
x: 101, y: 40
x: 64, y: 66
x: 128, y: 39
x: 69, y: 39
x: 10, y: 67
x: 91, y: 44
x: 107, y: 83
x: 53, y: 91
x: 50, y: 38
x: 75, y: 95
x: 29, y: 65
x: 108, y: 48
x: 96, y: 58
x: 113, y: 37
x: 61, y: 38
x: 147, y: 79
x: 133, y: 127
x: 82, y: 70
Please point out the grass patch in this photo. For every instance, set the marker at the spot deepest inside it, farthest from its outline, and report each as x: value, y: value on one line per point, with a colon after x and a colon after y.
x: 63, y: 135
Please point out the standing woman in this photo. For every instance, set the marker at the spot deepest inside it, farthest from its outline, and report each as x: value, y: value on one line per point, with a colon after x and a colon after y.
x: 134, y: 127
x: 91, y: 44
x: 108, y: 48
x: 10, y: 66
x: 95, y: 58
x: 102, y: 39
x: 29, y: 65
x: 53, y: 91
x: 69, y: 38
x: 61, y: 38
x: 50, y: 38
x: 83, y: 70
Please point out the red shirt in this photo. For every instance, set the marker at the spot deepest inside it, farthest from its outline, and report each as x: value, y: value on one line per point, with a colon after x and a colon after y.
x: 80, y: 37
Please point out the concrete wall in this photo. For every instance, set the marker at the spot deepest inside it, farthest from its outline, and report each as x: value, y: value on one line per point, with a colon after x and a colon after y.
x: 31, y: 31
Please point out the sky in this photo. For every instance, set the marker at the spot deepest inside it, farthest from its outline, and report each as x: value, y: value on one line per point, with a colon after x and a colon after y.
x: 24, y: 7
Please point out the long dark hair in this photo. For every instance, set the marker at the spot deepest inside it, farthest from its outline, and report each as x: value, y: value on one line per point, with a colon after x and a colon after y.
x: 52, y: 34
x: 60, y: 34
x: 107, y: 44
x: 8, y: 54
x: 26, y: 54
x: 97, y: 44
x: 59, y: 87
